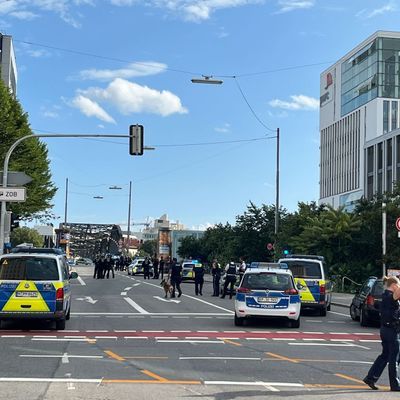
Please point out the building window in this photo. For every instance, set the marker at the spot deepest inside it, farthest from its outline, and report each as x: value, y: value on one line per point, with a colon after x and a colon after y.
x: 394, y: 115
x: 385, y: 116
x: 389, y: 160
x: 370, y: 172
x: 398, y: 158
x: 380, y: 168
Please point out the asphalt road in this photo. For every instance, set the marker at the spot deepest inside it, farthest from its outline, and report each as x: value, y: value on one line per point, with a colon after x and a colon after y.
x: 125, y: 341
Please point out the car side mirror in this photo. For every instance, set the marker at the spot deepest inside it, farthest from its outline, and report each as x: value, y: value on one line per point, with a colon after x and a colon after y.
x: 73, y: 275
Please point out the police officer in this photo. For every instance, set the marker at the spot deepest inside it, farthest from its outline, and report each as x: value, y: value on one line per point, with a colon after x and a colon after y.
x: 175, y: 277
x: 155, y: 267
x: 390, y: 336
x: 242, y: 268
x: 96, y: 267
x: 161, y: 267
x: 146, y: 268
x: 230, y: 279
x: 109, y: 266
x: 198, y: 271
x: 216, y: 274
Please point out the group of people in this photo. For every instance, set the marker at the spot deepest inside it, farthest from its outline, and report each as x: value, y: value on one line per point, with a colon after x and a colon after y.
x: 103, y: 266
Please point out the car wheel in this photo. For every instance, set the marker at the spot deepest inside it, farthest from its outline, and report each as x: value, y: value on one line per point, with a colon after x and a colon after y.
x: 238, y: 321
x: 364, y: 321
x: 322, y: 311
x: 128, y: 272
x: 353, y: 313
x: 329, y: 307
x: 60, y: 324
x: 294, y: 323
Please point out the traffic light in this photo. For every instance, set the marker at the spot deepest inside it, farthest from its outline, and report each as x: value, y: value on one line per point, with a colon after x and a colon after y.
x: 286, y: 252
x: 136, y: 134
x: 14, y: 221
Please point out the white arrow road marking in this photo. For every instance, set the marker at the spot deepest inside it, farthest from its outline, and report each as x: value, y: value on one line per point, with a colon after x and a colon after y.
x: 87, y: 299
x: 128, y: 288
x: 70, y: 385
x: 123, y: 293
x: 136, y: 284
x: 167, y: 300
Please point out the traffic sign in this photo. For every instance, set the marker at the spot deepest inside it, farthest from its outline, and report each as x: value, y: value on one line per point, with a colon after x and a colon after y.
x: 270, y: 246
x: 398, y: 224
x: 15, y: 178
x: 12, y: 194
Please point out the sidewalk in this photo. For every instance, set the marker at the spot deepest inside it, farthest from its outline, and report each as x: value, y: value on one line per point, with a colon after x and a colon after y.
x: 342, y: 299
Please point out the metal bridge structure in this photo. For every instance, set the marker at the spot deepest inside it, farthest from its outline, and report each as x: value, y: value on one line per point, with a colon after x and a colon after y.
x: 87, y: 240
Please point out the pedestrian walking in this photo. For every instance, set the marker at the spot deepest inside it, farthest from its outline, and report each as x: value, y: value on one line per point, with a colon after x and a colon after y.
x: 161, y: 267
x: 198, y: 271
x: 109, y: 267
x: 216, y: 274
x: 390, y: 336
x: 175, y: 277
x: 146, y: 268
x: 230, y: 279
x: 155, y: 267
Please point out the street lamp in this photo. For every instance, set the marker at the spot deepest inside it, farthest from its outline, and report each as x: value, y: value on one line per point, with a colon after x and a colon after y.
x: 207, y: 80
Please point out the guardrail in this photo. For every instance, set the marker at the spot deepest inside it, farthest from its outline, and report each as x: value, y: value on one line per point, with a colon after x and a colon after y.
x: 349, y: 279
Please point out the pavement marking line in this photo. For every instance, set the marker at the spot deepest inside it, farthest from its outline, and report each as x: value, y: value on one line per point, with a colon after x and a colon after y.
x: 283, y: 358
x: 349, y: 378
x: 279, y: 384
x: 56, y: 356
x: 59, y: 340
x: 128, y: 288
x: 123, y: 293
x: 154, y: 376
x: 113, y: 355
x: 135, y: 305
x: 65, y: 359
x: 222, y: 358
x: 328, y: 344
x: 228, y: 341
x: 52, y: 380
x: 81, y: 281
x: 151, y: 382
x: 192, y: 341
x: 338, y: 313
x: 147, y: 358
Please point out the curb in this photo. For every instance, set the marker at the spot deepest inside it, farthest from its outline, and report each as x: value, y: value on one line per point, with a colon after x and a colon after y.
x: 340, y: 304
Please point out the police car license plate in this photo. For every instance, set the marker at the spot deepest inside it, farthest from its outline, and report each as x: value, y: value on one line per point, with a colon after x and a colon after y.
x: 271, y: 300
x: 26, y: 294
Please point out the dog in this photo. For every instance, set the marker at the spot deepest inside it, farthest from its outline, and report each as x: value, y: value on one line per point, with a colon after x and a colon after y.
x: 167, y: 287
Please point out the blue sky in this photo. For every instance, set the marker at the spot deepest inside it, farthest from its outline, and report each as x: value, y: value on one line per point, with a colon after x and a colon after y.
x: 91, y: 66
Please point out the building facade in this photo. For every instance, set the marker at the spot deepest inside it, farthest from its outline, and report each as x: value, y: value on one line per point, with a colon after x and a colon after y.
x: 359, y: 122
x: 8, y: 65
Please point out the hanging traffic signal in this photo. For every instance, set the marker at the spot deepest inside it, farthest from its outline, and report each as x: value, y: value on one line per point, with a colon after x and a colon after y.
x: 14, y: 221
x: 136, y: 134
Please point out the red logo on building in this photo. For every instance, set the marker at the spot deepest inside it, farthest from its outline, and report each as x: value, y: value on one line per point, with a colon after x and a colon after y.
x: 329, y: 80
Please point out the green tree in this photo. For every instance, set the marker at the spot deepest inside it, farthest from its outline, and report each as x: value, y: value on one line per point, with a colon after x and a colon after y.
x: 26, y: 235
x: 30, y: 157
x: 149, y: 247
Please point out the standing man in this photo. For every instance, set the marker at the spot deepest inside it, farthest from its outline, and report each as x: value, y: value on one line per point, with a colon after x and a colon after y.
x: 242, y: 268
x: 390, y: 336
x: 161, y: 267
x: 109, y: 266
x: 198, y: 271
x: 96, y: 266
x: 230, y: 279
x: 146, y: 268
x: 175, y: 277
x: 216, y: 274
x: 155, y: 267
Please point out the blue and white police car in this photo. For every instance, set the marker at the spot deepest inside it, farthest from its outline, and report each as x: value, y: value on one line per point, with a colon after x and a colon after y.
x: 268, y: 290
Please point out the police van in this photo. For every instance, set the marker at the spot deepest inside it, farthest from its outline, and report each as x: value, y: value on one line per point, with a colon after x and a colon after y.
x: 34, y: 283
x: 267, y: 291
x: 310, y: 274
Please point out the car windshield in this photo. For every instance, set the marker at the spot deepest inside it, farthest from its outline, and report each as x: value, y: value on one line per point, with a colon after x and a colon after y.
x: 29, y: 268
x: 267, y: 281
x: 305, y: 269
x: 377, y: 289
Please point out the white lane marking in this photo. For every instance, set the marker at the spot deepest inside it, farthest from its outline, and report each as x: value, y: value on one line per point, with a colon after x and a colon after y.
x: 271, y: 388
x: 135, y: 305
x: 283, y: 339
x: 364, y: 333
x: 222, y: 358
x: 97, y: 330
x: 195, y: 298
x: 128, y: 288
x: 196, y: 337
x: 370, y: 341
x: 339, y: 333
x: 123, y: 293
x: 71, y: 330
x: 199, y: 331
x: 52, y: 380
x: 55, y: 356
x: 327, y: 344
x: 338, y: 313
x: 64, y: 358
x: 314, y: 333
x: 136, y: 337
x: 59, y: 340
x: 153, y: 331
x: 192, y: 341
x: 257, y: 338
x: 44, y: 336
x: 315, y: 339
x: 136, y: 284
x: 337, y: 322
x: 166, y: 337
x: 124, y: 331
x: 236, y: 331
x: 280, y: 384
x: 106, y: 337
x: 184, y: 331
x: 88, y: 299
x: 81, y: 281
x: 167, y: 300
x: 12, y: 336
x: 98, y: 314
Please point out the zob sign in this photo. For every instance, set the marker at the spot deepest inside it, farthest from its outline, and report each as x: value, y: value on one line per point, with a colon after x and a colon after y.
x: 12, y: 194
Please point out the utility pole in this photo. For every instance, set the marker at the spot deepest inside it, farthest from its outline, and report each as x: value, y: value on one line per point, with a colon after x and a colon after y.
x: 66, y: 203
x: 383, y: 239
x: 277, y: 186
x: 129, y: 215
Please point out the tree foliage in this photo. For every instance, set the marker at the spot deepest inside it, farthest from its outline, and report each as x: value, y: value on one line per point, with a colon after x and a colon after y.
x: 26, y: 235
x: 30, y: 157
x: 149, y: 248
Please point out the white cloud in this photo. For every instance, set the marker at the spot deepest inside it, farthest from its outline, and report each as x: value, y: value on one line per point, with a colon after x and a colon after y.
x: 291, y: 5
x: 91, y: 109
x: 389, y: 7
x: 223, y: 129
x: 131, y: 71
x: 129, y: 97
x: 38, y: 53
x: 298, y: 102
x: 50, y: 114
x: 24, y: 15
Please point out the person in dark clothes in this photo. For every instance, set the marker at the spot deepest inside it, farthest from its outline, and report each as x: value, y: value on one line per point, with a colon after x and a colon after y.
x: 216, y: 274
x: 198, y: 271
x: 109, y: 266
x: 161, y: 267
x: 155, y: 267
x: 390, y: 336
x: 101, y: 267
x: 230, y: 279
x: 175, y: 277
x: 146, y: 268
x: 96, y: 267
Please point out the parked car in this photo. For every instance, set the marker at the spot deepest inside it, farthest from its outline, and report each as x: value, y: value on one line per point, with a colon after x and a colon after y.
x: 83, y: 261
x: 366, y: 302
x: 187, y: 269
x: 136, y: 267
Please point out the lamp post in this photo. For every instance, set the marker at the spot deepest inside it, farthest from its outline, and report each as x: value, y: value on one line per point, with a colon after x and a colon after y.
x: 383, y: 239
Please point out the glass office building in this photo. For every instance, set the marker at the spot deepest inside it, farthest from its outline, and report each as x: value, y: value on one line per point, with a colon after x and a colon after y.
x: 359, y: 122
